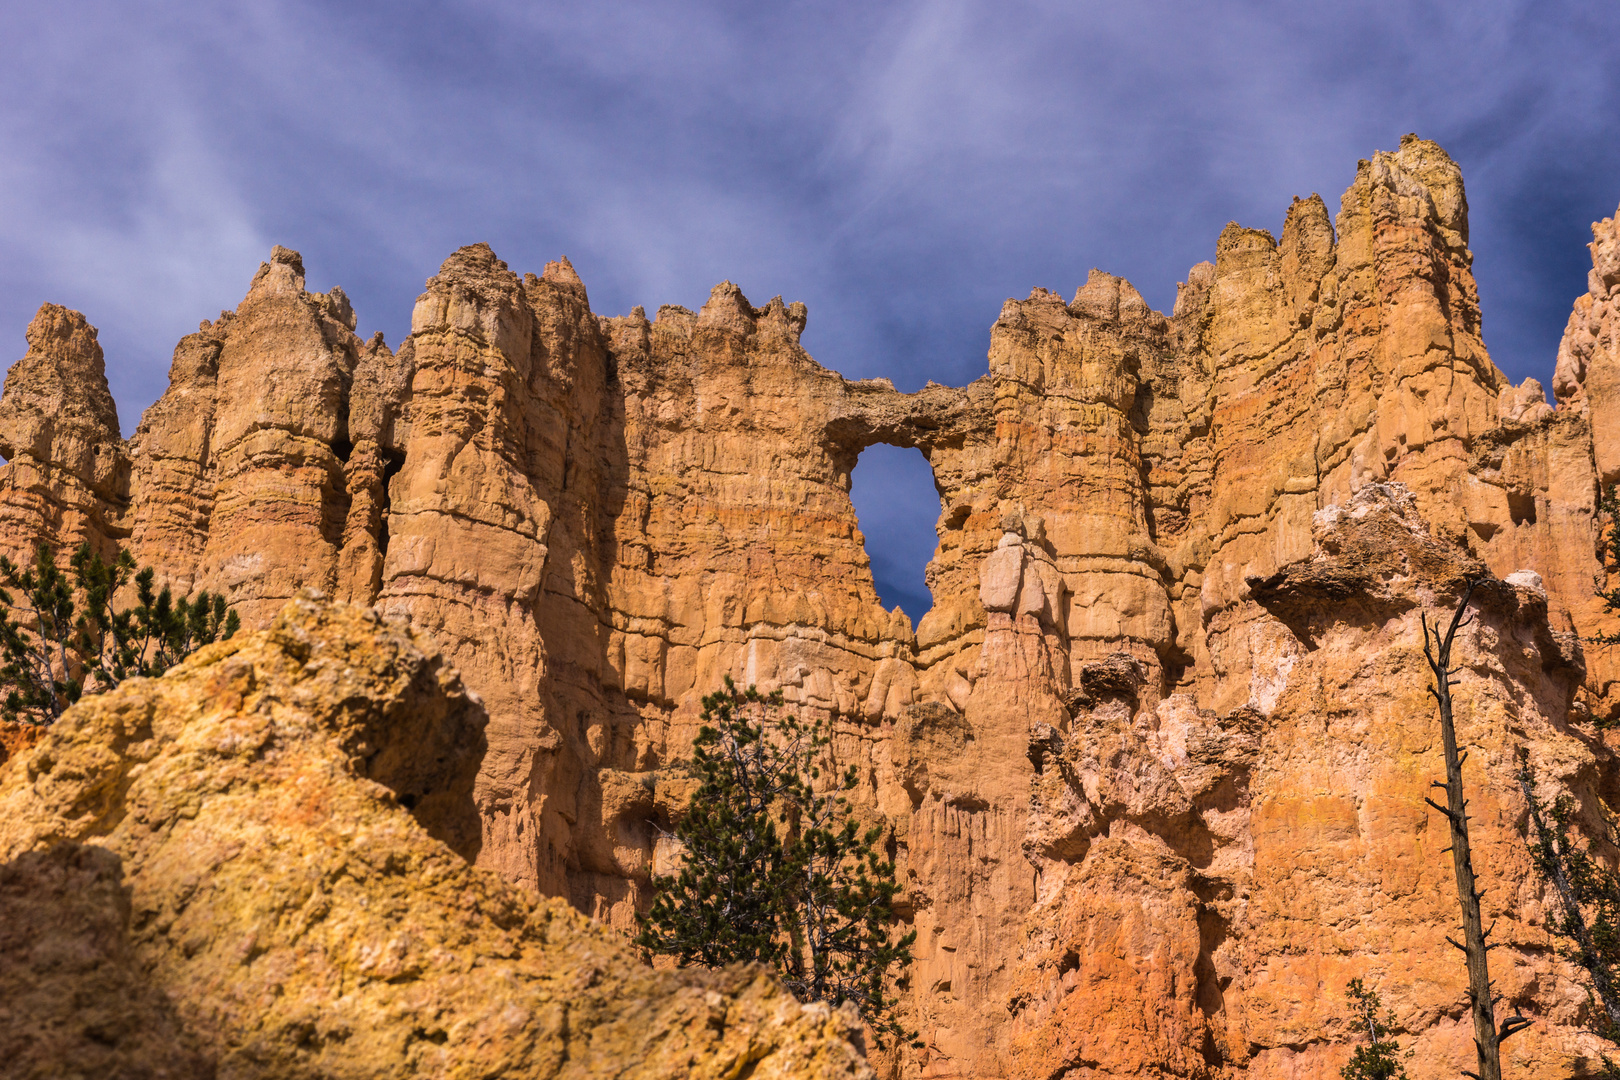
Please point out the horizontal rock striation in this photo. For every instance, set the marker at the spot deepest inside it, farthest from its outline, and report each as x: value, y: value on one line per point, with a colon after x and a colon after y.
x: 1154, y: 760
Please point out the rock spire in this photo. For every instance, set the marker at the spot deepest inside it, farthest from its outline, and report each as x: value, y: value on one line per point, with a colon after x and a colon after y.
x: 1153, y: 764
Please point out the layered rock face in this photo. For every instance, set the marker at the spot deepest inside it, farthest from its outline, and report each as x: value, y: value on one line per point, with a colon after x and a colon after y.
x: 253, y: 868
x: 66, y: 469
x: 1153, y: 762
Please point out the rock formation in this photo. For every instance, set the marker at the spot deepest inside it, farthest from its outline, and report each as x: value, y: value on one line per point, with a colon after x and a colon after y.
x: 66, y: 471
x: 1154, y: 760
x: 218, y: 873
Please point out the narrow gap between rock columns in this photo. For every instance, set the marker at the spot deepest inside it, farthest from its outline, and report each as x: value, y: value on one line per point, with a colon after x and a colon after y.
x: 393, y: 462
x: 897, y: 507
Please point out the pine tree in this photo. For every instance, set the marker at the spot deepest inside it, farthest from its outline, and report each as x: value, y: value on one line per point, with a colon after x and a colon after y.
x: 1381, y: 1058
x: 725, y: 905
x: 844, y: 900
x: 43, y: 651
x: 1588, y: 914
x: 777, y: 870
x: 1609, y: 556
x: 154, y: 635
x: 60, y: 637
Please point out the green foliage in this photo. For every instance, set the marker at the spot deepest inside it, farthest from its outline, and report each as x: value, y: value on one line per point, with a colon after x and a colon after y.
x: 1588, y: 919
x: 61, y: 638
x: 1588, y: 916
x: 41, y: 650
x: 776, y: 869
x: 725, y: 905
x: 844, y: 905
x: 1381, y: 1058
x: 1609, y: 555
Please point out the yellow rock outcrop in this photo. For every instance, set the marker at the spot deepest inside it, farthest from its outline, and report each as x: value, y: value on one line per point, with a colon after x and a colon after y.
x: 253, y: 867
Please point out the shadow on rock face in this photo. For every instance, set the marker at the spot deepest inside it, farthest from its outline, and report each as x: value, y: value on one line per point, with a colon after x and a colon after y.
x: 274, y: 837
x: 401, y: 714
x: 429, y: 746
x: 74, y: 1000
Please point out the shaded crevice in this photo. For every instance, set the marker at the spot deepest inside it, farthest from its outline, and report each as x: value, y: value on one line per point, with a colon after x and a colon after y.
x: 335, y: 505
x: 393, y: 462
x: 1521, y: 508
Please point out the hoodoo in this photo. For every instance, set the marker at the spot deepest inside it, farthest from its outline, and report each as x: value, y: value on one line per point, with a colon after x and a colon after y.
x: 1153, y: 765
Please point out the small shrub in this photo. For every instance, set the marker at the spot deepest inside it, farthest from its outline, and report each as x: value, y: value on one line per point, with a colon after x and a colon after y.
x: 60, y: 637
x: 1381, y: 1058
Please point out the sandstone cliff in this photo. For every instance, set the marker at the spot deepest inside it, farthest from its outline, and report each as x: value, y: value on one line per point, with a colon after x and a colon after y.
x: 1154, y: 760
x: 218, y: 873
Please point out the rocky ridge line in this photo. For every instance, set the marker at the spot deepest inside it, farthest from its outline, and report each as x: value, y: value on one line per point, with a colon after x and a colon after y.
x: 1154, y: 714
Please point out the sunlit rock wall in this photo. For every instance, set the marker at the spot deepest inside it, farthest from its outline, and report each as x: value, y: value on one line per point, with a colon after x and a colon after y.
x: 1153, y: 762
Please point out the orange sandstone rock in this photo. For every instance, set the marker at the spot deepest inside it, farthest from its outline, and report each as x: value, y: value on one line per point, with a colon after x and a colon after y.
x: 1152, y: 763
x: 66, y: 471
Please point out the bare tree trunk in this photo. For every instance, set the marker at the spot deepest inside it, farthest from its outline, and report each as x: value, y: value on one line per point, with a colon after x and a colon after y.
x: 1487, y: 1041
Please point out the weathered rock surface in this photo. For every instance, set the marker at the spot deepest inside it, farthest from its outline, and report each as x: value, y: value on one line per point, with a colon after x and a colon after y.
x: 66, y: 471
x: 250, y: 868
x: 1154, y: 760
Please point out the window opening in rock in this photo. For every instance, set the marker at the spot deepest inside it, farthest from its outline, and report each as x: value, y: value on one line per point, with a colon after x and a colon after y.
x: 898, y: 507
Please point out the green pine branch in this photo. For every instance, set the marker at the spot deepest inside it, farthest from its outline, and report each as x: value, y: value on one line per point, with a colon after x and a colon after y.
x: 1587, y: 918
x: 1609, y: 556
x: 777, y: 870
x: 1381, y: 1057
x: 61, y: 636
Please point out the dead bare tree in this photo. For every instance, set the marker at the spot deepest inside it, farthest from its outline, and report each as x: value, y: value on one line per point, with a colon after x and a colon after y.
x: 1487, y: 1039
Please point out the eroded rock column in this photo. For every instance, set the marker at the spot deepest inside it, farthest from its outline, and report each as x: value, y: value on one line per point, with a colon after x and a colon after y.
x: 66, y: 476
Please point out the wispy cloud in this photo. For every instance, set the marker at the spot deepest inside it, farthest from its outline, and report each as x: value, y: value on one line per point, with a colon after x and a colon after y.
x: 135, y: 219
x: 901, y: 168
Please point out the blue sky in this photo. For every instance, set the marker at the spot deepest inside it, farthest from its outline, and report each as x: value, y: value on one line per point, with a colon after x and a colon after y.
x: 901, y: 168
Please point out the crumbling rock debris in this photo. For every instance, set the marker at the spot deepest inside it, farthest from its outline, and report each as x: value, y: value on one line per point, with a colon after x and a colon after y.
x: 1153, y: 762
x: 249, y: 868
